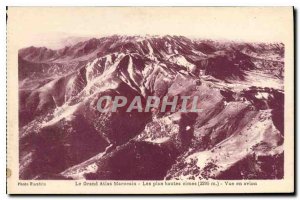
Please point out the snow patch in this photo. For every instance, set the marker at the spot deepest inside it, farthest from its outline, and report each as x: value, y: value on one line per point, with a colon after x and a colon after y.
x: 89, y: 69
x: 65, y: 112
x: 181, y: 60
x: 262, y: 95
x: 157, y: 140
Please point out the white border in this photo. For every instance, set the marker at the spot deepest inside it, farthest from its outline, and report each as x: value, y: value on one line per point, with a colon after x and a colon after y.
x: 4, y: 3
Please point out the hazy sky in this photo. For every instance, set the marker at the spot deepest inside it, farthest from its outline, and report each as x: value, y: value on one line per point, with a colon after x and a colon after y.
x: 50, y: 26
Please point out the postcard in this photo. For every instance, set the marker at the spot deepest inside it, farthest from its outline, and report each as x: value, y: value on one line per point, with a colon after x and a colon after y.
x: 150, y: 100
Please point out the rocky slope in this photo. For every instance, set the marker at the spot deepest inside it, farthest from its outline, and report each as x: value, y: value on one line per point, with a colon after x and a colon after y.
x: 237, y: 134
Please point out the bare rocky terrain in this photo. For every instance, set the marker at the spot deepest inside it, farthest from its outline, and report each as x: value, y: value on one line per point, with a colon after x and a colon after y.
x: 237, y: 134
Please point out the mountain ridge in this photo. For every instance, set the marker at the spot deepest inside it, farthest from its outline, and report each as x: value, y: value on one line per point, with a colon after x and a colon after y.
x: 239, y: 86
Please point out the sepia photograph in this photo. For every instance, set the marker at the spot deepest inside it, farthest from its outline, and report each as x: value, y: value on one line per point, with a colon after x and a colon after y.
x: 150, y: 100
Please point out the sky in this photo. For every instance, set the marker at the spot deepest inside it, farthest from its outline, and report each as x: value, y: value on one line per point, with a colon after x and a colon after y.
x: 53, y: 27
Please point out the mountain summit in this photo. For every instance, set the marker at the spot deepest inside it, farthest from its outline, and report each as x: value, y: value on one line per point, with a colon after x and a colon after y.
x: 237, y: 133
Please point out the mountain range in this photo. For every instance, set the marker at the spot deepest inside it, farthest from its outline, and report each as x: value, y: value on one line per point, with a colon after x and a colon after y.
x: 238, y: 134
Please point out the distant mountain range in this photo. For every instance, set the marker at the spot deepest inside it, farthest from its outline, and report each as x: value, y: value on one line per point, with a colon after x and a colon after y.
x: 237, y: 135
